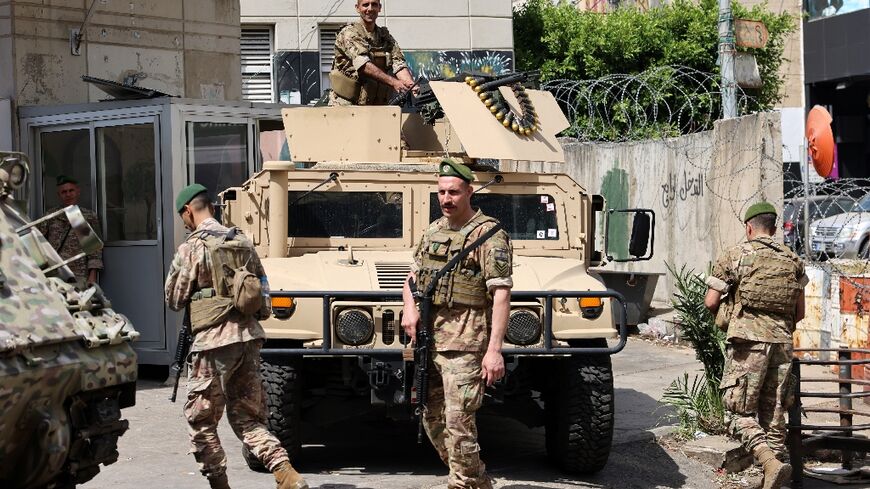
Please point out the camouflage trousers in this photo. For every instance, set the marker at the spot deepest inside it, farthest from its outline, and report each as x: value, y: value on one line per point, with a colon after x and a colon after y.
x: 228, y: 377
x: 455, y: 394
x: 756, y: 388
x: 335, y: 100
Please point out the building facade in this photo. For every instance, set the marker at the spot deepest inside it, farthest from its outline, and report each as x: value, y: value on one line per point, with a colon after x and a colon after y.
x: 836, y: 42
x: 287, y: 46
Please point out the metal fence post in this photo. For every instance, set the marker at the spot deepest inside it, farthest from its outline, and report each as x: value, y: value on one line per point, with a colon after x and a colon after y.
x: 846, y: 400
x: 795, y: 441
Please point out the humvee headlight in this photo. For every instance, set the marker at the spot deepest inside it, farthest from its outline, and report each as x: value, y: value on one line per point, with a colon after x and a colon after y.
x: 591, y: 307
x: 283, y: 307
x: 354, y: 327
x: 524, y: 327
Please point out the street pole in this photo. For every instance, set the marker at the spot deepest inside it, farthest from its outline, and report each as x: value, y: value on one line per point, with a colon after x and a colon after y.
x: 726, y: 60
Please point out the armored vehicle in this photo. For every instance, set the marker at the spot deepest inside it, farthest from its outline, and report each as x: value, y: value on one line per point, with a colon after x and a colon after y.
x: 66, y: 364
x: 338, y: 228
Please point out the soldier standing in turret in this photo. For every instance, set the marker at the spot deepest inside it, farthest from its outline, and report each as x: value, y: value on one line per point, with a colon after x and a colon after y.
x: 368, y: 64
x: 470, y: 311
x: 764, y: 283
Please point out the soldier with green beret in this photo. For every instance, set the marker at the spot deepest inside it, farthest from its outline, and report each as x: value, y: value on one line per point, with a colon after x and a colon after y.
x: 470, y: 313
x: 223, y: 369
x: 58, y: 232
x: 756, y: 292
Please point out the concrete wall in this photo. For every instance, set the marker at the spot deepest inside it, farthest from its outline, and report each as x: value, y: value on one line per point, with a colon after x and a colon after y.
x: 187, y: 48
x: 699, y: 186
x: 438, y: 38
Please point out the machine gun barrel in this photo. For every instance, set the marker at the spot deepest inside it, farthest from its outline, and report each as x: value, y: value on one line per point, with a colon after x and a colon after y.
x: 509, y: 79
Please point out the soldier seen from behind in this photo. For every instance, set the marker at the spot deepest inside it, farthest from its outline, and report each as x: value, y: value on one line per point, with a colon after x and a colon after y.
x: 368, y: 65
x: 217, y: 274
x: 58, y: 231
x: 470, y: 315
x: 756, y: 292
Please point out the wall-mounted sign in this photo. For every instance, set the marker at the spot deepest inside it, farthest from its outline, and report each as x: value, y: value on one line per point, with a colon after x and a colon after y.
x: 746, y: 71
x: 750, y: 34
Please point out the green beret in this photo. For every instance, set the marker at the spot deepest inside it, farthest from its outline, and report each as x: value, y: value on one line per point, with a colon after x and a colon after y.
x: 63, y: 179
x: 452, y: 168
x: 187, y: 194
x: 758, y: 209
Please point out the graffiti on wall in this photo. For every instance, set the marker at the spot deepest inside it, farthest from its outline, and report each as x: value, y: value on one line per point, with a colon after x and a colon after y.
x: 682, y: 187
x: 297, y: 76
x: 444, y: 64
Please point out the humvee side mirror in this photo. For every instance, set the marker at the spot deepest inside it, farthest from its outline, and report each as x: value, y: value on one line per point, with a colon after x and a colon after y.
x: 642, y: 237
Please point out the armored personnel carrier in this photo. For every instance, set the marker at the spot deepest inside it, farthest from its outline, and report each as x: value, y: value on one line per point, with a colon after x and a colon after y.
x: 338, y: 227
x: 66, y: 364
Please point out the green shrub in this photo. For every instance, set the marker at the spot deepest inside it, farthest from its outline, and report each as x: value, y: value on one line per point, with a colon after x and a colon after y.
x: 566, y: 43
x: 697, y: 403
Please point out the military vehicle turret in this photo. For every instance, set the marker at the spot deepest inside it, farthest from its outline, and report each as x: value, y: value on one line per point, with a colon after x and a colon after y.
x: 66, y: 364
x: 337, y: 229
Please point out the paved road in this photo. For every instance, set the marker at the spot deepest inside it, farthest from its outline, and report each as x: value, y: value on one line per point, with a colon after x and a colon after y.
x: 379, y: 454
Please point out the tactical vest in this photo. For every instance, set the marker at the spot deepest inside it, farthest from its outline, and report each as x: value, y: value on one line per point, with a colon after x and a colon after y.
x: 464, y: 285
x: 225, y: 252
x: 768, y: 280
x: 366, y: 91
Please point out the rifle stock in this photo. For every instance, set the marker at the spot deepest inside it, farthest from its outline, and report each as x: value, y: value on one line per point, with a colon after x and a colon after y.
x: 182, y: 348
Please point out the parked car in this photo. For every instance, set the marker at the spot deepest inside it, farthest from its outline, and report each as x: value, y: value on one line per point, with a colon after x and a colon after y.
x: 820, y: 207
x: 844, y: 235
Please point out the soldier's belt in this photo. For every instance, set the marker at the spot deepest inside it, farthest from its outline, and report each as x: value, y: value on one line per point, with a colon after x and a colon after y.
x: 203, y: 294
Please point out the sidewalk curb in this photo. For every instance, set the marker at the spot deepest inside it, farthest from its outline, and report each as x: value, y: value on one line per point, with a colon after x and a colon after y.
x: 652, y: 434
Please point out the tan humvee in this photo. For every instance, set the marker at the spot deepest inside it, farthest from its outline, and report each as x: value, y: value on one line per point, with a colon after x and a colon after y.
x: 346, y: 225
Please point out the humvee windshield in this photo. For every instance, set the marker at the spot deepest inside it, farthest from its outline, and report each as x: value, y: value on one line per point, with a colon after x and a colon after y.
x: 345, y: 215
x: 524, y: 216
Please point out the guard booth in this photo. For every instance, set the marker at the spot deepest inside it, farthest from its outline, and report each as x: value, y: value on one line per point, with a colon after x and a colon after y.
x: 130, y: 158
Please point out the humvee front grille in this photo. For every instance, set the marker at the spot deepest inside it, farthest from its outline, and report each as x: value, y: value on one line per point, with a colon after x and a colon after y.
x: 392, y: 275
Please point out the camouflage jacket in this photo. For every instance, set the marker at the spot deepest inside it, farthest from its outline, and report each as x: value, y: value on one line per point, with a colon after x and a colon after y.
x: 59, y: 234
x: 463, y: 328
x: 354, y: 46
x: 751, y: 324
x: 191, y: 271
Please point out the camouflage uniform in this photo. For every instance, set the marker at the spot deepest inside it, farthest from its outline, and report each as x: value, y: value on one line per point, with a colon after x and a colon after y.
x: 354, y: 47
x: 757, y: 381
x: 59, y: 234
x: 461, y: 337
x: 224, y: 367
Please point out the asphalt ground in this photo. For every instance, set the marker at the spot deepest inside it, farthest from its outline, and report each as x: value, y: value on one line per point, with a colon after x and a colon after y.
x: 380, y: 454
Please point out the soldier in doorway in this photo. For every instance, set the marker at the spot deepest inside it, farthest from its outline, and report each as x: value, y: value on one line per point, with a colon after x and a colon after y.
x: 470, y: 317
x: 58, y: 232
x: 368, y: 64
x: 224, y: 364
x: 759, y: 285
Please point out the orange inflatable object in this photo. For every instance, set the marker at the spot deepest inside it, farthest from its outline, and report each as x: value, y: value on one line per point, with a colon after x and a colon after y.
x: 820, y: 140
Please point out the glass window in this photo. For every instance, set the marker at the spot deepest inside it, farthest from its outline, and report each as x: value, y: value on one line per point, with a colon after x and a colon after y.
x: 66, y: 153
x: 345, y: 215
x: 217, y: 154
x: 126, y: 159
x: 524, y: 216
x: 819, y: 9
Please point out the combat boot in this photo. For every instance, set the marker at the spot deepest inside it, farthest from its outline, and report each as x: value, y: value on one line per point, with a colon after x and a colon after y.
x: 776, y: 473
x: 219, y: 482
x: 287, y: 477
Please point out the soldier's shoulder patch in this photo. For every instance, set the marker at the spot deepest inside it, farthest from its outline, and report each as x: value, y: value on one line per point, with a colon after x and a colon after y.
x: 501, y: 261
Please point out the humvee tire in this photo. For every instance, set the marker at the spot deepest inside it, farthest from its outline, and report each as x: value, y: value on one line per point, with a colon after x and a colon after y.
x: 283, y: 404
x: 579, y: 430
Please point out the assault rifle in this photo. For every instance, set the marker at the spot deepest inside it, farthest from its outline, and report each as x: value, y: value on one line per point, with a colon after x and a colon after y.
x: 424, y: 338
x: 181, y: 351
